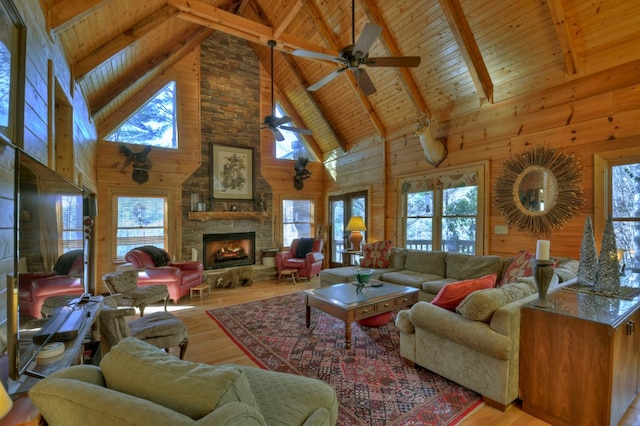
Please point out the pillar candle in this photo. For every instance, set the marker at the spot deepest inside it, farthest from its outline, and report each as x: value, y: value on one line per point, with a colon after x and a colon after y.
x: 194, y: 254
x: 542, y: 249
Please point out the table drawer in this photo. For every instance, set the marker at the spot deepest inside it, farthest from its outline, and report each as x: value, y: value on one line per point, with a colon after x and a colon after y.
x: 366, y: 311
x: 406, y: 300
x: 385, y: 306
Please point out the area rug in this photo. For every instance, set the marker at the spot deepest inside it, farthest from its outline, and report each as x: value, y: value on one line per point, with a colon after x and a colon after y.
x: 374, y: 387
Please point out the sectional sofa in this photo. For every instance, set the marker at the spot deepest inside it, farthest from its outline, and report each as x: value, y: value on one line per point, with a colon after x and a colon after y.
x: 475, y: 343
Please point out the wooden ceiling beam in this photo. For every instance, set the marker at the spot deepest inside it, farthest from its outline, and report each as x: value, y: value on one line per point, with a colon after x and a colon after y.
x: 246, y: 29
x: 333, y: 43
x: 469, y: 49
x: 66, y: 13
x: 571, y: 60
x: 160, y: 63
x: 289, y: 14
x: 404, y: 74
x: 123, y: 41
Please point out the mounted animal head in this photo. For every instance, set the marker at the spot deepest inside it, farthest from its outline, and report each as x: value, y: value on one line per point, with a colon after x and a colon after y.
x: 435, y: 150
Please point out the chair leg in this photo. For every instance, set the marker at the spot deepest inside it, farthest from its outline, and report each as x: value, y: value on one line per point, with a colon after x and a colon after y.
x: 183, y: 347
x: 142, y: 306
x: 166, y: 302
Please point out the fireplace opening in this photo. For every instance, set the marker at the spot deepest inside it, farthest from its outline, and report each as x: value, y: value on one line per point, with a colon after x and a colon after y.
x: 228, y: 249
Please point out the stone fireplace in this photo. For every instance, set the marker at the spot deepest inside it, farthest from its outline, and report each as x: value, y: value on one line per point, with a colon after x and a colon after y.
x: 223, y: 250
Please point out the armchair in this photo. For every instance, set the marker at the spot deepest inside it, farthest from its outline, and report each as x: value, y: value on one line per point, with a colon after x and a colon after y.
x: 65, y: 279
x: 155, y: 267
x: 125, y: 283
x: 305, y: 256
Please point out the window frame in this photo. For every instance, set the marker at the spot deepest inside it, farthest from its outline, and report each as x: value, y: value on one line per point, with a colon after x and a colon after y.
x: 115, y: 206
x: 312, y: 214
x: 481, y: 169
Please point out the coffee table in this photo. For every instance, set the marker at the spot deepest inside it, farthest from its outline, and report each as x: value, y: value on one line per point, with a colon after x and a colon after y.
x: 343, y: 302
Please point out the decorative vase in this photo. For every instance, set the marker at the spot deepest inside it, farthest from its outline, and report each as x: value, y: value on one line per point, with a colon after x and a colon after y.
x: 588, y: 256
x: 543, y: 272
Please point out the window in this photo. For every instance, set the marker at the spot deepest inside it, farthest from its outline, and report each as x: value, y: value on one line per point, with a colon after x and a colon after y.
x: 154, y: 124
x: 292, y: 147
x: 624, y: 186
x: 342, y: 208
x: 140, y: 221
x: 443, y: 212
x: 297, y: 220
x: 71, y: 228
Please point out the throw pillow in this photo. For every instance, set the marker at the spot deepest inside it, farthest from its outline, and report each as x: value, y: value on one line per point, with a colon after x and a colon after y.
x: 303, y: 247
x: 376, y: 255
x: 480, y: 305
x: 450, y: 296
x: 520, y: 267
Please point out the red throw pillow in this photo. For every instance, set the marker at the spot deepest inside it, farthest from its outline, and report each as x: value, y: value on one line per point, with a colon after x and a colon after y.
x: 520, y: 267
x: 376, y: 255
x: 450, y: 296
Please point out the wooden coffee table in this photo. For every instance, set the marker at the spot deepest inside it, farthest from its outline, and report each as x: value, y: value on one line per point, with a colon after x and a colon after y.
x: 343, y: 302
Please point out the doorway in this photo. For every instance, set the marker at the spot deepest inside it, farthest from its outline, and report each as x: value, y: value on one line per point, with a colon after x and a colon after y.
x: 341, y: 209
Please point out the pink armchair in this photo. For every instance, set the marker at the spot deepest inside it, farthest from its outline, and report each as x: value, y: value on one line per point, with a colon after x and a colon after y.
x: 65, y: 279
x: 305, y: 255
x: 155, y: 267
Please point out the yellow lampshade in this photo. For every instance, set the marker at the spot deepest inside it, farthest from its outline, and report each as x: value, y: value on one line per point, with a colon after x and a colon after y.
x: 356, y: 223
x: 5, y: 402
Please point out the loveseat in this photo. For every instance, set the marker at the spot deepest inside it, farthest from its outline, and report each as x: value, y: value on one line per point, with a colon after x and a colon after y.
x: 156, y: 267
x: 136, y: 384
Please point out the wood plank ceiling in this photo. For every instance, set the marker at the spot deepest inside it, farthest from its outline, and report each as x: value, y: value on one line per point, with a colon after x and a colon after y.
x: 473, y: 53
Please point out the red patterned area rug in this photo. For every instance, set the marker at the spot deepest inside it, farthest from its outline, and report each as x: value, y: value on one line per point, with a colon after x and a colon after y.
x: 374, y: 387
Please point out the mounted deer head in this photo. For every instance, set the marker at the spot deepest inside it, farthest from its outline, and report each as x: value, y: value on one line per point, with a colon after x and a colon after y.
x: 435, y: 150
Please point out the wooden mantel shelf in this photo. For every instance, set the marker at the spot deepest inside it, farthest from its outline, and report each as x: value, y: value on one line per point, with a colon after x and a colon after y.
x: 228, y: 215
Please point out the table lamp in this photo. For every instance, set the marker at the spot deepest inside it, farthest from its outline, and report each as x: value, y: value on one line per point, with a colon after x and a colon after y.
x: 5, y: 402
x: 356, y: 225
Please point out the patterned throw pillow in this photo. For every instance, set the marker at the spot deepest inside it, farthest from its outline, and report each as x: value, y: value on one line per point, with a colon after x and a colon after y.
x: 376, y: 255
x: 520, y: 267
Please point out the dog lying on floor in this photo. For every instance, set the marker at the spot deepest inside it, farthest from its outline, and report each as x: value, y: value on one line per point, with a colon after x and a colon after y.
x: 231, y: 278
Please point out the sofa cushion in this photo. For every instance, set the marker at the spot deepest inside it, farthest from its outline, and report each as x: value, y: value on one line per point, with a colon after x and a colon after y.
x: 376, y: 255
x: 480, y: 305
x: 520, y: 267
x: 426, y: 262
x: 140, y: 369
x: 466, y: 266
x: 408, y: 278
x: 398, y: 258
x: 452, y: 294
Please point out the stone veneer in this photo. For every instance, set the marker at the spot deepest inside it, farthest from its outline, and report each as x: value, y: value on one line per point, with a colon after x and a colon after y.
x: 230, y: 115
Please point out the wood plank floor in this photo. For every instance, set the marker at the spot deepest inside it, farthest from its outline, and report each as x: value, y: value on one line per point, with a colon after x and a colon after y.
x: 209, y: 344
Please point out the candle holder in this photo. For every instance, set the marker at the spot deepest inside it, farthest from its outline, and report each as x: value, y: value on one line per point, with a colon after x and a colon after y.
x: 543, y: 272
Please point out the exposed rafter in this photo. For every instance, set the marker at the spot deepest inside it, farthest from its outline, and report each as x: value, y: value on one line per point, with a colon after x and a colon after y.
x: 404, y: 73
x: 65, y: 13
x: 289, y: 14
x: 123, y: 41
x: 571, y: 61
x: 158, y: 64
x: 468, y: 48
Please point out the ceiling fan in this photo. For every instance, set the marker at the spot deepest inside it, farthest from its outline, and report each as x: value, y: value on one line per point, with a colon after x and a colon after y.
x: 356, y: 54
x: 273, y: 123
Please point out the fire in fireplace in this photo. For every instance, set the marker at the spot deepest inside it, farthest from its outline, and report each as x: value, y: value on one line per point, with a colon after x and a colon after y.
x: 228, y: 249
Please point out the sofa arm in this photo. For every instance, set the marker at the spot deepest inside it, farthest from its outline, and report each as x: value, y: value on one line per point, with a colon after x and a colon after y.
x: 56, y: 284
x: 403, y: 322
x: 86, y: 373
x: 161, y: 273
x: 233, y: 414
x: 476, y: 335
x: 313, y: 257
x: 188, y: 265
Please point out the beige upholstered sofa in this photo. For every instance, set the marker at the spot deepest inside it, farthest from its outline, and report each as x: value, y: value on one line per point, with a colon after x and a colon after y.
x: 478, y: 345
x: 137, y: 384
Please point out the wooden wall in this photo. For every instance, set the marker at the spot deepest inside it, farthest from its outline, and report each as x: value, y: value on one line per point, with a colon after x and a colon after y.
x: 585, y: 117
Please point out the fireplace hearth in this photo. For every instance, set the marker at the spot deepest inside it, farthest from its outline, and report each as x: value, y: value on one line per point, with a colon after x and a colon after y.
x: 228, y: 249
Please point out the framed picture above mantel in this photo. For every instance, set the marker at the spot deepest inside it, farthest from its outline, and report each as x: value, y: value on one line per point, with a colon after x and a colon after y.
x: 231, y: 172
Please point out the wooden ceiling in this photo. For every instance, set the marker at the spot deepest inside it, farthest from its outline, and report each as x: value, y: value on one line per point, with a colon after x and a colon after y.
x: 474, y: 53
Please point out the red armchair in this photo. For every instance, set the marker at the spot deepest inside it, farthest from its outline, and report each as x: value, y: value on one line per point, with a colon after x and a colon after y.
x: 155, y: 267
x: 305, y: 255
x: 65, y: 279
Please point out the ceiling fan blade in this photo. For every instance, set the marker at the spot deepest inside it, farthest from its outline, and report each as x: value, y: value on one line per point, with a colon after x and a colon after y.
x: 365, y: 83
x: 367, y: 38
x: 283, y: 120
x: 326, y: 79
x: 277, y: 134
x: 317, y: 55
x: 393, y: 61
x: 296, y: 130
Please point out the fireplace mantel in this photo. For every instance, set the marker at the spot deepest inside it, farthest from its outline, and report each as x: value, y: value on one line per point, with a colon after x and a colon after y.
x: 228, y: 215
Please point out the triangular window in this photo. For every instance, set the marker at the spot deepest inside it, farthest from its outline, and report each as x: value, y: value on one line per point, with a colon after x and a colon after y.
x: 293, y: 146
x: 153, y: 124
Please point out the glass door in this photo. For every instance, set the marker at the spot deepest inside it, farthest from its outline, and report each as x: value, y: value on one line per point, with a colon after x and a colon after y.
x: 341, y: 209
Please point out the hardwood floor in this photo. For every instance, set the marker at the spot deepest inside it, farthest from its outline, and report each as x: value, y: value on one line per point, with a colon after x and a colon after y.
x: 209, y: 344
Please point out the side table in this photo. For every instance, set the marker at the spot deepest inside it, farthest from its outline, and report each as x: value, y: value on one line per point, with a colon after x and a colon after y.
x: 293, y: 273
x: 200, y: 290
x: 23, y: 413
